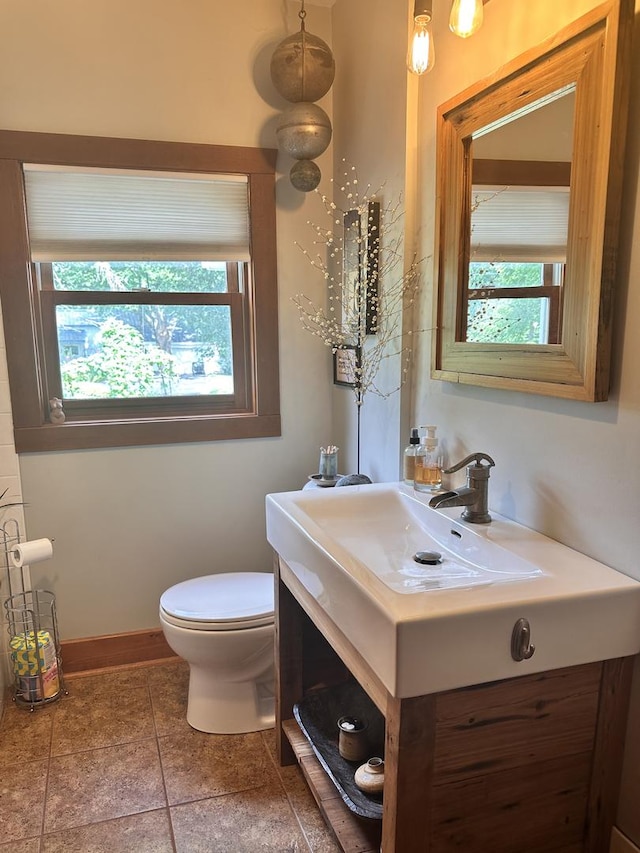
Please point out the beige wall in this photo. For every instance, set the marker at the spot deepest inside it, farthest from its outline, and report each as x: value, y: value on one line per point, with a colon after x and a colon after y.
x: 568, y: 469
x: 9, y: 480
x: 543, y: 134
x: 370, y: 114
x: 128, y: 523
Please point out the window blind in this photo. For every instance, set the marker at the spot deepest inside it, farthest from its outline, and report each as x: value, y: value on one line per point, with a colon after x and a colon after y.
x: 526, y: 224
x: 106, y: 215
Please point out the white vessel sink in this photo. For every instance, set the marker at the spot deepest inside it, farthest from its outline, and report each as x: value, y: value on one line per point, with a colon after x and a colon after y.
x: 424, y: 628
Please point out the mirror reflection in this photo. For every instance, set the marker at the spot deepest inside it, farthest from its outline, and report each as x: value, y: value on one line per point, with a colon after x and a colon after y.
x: 528, y: 196
x: 520, y: 176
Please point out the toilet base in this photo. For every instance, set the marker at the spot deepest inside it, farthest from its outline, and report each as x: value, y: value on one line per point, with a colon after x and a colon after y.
x: 237, y: 708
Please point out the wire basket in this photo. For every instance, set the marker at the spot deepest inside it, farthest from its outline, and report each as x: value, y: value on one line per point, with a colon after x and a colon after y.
x: 34, y: 647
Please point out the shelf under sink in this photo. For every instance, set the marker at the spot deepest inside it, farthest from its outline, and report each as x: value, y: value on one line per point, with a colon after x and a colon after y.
x: 317, y: 715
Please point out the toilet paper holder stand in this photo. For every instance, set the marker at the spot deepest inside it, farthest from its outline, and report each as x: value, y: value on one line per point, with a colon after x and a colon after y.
x: 32, y: 624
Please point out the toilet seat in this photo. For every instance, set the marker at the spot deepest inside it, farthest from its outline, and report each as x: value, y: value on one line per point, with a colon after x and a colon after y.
x: 225, y: 602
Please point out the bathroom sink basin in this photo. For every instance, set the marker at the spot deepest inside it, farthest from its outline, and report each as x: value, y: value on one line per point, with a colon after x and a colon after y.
x: 446, y: 621
x: 384, y: 530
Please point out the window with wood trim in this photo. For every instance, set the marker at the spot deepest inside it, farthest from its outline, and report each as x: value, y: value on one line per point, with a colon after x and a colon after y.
x: 511, y: 302
x: 518, y: 248
x: 142, y: 278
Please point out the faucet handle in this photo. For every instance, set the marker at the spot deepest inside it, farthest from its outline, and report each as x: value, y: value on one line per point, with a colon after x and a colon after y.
x: 478, y: 458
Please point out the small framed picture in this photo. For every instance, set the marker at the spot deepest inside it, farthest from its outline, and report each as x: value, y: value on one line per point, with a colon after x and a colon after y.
x: 346, y: 361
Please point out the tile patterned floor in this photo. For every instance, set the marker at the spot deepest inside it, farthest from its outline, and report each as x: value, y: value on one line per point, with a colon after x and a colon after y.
x: 115, y: 767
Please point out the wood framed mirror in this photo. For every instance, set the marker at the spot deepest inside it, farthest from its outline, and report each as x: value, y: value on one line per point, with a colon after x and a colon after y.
x: 528, y: 203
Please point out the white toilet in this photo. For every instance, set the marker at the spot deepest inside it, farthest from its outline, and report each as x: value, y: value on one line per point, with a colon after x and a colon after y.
x: 223, y: 626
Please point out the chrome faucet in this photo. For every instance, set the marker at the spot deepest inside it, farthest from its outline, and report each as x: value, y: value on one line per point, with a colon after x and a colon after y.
x: 475, y: 496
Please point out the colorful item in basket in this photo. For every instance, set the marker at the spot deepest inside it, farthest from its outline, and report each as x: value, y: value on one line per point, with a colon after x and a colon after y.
x: 36, y: 665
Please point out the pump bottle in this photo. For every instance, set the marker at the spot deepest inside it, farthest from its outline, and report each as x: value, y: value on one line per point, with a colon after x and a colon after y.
x: 428, y: 463
x: 409, y: 458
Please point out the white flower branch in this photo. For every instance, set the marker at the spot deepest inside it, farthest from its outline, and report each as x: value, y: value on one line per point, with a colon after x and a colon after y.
x: 367, y: 310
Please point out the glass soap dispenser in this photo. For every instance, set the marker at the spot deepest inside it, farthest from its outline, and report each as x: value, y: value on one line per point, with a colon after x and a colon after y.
x: 428, y: 463
x: 409, y: 458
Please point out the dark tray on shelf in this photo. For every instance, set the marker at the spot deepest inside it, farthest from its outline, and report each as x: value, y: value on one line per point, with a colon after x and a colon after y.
x: 318, y: 714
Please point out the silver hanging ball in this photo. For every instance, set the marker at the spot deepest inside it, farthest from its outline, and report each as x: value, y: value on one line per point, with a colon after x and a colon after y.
x: 302, y: 67
x: 305, y: 175
x: 304, y: 131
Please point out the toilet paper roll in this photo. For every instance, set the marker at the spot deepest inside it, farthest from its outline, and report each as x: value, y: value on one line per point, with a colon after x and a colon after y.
x: 31, y: 655
x: 31, y: 552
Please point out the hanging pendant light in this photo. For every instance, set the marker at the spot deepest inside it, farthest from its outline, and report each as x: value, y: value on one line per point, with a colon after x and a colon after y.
x: 466, y: 17
x: 421, y: 55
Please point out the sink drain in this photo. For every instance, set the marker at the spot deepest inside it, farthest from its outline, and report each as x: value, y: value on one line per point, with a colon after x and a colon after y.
x: 428, y: 558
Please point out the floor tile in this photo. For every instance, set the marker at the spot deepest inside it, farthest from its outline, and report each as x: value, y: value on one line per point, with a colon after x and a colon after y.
x: 143, y: 833
x: 26, y: 735
x: 165, y: 674
x: 32, y: 845
x: 269, y: 738
x: 92, y: 721
x: 99, y: 684
x: 102, y: 784
x: 22, y: 794
x: 197, y: 765
x: 251, y: 821
x: 319, y: 837
x: 169, y: 687
x: 104, y: 749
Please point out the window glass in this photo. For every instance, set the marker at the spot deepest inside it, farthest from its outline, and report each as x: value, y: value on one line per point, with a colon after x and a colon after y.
x: 508, y: 321
x: 502, y: 274
x: 157, y: 276
x: 124, y: 351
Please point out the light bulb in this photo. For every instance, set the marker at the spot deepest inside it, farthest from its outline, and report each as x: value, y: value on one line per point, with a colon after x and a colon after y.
x: 466, y: 17
x: 421, y: 56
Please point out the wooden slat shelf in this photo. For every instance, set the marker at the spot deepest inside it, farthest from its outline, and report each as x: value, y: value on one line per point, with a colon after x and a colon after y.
x: 353, y: 834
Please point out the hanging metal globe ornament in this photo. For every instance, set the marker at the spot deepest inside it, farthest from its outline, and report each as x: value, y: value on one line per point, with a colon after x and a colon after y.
x: 305, y: 175
x: 304, y: 131
x: 302, y: 66
x: 302, y: 70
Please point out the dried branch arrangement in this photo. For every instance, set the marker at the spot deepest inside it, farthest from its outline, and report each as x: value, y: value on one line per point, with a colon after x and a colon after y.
x: 368, y: 285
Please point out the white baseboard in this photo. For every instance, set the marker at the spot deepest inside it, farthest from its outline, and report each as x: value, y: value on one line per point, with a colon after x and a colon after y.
x: 621, y: 844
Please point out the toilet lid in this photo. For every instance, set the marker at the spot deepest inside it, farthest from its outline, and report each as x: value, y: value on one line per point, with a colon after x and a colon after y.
x: 224, y: 601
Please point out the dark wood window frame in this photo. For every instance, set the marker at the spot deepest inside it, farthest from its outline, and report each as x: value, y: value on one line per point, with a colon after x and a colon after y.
x: 27, y: 306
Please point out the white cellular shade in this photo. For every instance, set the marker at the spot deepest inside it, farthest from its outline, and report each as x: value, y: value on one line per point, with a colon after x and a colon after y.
x: 526, y: 224
x: 108, y: 215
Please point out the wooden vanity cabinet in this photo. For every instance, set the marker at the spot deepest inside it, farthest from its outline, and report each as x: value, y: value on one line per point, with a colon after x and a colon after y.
x: 525, y: 765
